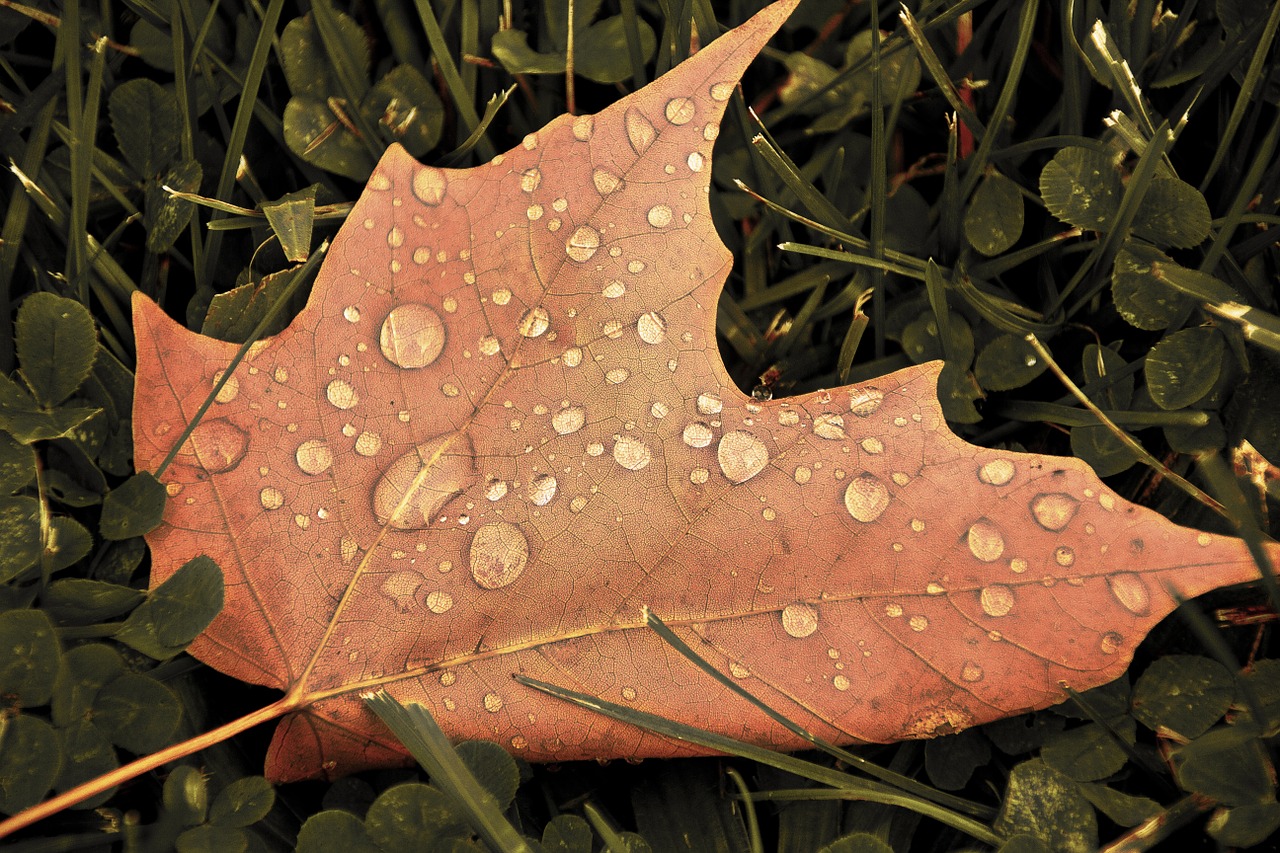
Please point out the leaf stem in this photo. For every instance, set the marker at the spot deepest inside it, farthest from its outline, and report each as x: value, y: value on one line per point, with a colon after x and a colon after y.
x: 134, y: 769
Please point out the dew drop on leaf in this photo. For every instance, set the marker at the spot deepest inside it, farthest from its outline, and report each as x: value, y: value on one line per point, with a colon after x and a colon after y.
x: 799, y: 620
x: 741, y: 455
x: 314, y: 457
x: 499, y: 552
x: 1054, y: 511
x: 985, y: 541
x: 866, y: 498
x: 1131, y: 591
x: 996, y: 599
x: 997, y: 472
x: 412, y: 336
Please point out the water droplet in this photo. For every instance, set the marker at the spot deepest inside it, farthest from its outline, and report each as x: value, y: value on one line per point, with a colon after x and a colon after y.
x: 629, y: 693
x: 341, y: 395
x: 829, y: 426
x: 1054, y: 511
x: 541, y: 490
x: 351, y: 313
x: 492, y: 703
x: 218, y: 445
x: 413, y: 489
x: 918, y: 623
x: 606, y: 182
x: 709, y: 404
x: 1017, y: 565
x: 741, y: 454
x: 872, y: 445
x: 840, y: 682
x: 229, y: 390
x: 499, y: 552
x: 997, y: 472
x: 803, y: 474
x: 996, y: 599
x: 695, y: 162
x: 659, y: 410
x: 583, y: 127
x: 412, y: 336
x: 583, y: 243
x: 1204, y: 539
x: 496, y: 490
x: 1132, y: 593
x: 652, y: 327
x: 489, y: 345
x: 680, y: 110
x: 971, y: 672
x: 697, y: 434
x: 568, y: 421
x: 799, y: 620
x: 314, y: 457
x: 698, y: 476
x: 1064, y: 556
x: 501, y: 296
x: 631, y: 453
x: 1030, y: 361
x: 866, y: 498
x: 429, y: 185
x: 400, y: 588
x: 271, y: 498
x: 617, y: 376
x: 530, y: 179
x: 572, y: 357
x: 395, y: 238
x: 722, y: 91
x: 368, y: 443
x: 534, y: 322
x: 614, y: 289
x: 640, y: 132
x: 985, y: 541
x: 864, y: 401
x: 660, y: 216
x: 1111, y: 643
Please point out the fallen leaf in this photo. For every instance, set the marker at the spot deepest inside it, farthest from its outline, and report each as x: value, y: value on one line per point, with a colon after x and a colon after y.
x: 501, y: 427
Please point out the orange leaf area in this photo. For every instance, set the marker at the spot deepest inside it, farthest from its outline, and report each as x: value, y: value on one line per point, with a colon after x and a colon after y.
x: 501, y: 427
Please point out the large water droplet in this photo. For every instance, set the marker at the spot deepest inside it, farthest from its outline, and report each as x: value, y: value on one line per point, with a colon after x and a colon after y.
x: 799, y: 620
x: 741, y: 455
x: 1132, y: 593
x: 697, y: 434
x: 997, y: 472
x: 1054, y: 511
x: 680, y: 110
x: 499, y: 552
x: 865, y: 401
x: 866, y: 498
x: 640, y: 132
x: 652, y: 327
x: 542, y: 489
x: 709, y: 403
x: 606, y: 182
x: 341, y: 395
x: 410, y: 493
x: 985, y: 541
x: 429, y: 185
x: 996, y: 599
x: 271, y: 498
x: 631, y: 453
x: 218, y: 444
x: 829, y: 426
x: 660, y: 215
x: 534, y: 322
x: 583, y: 243
x: 568, y: 421
x: 314, y: 457
x: 412, y: 335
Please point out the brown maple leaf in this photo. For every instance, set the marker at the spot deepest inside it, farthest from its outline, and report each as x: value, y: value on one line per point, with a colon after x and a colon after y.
x: 500, y: 428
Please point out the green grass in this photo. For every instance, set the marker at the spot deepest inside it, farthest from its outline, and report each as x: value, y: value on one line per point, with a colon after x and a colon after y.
x: 896, y: 201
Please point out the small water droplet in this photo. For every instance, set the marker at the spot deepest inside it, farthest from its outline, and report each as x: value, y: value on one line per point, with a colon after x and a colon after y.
x: 764, y: 393
x: 722, y: 91
x: 1111, y: 643
x: 430, y: 185
x: 568, y: 421
x: 413, y: 489
x: 492, y: 703
x: 218, y: 445
x: 314, y: 457
x: 680, y: 110
x: 583, y: 243
x: 996, y: 599
x: 271, y: 498
x: 660, y: 216
x: 698, y: 476
x: 971, y: 672
x: 840, y: 682
x: 709, y: 403
x: 1064, y: 556
x: 1132, y: 592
